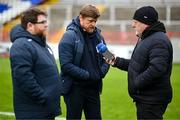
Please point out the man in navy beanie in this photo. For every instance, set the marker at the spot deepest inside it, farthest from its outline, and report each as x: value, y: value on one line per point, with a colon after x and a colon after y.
x: 149, y: 68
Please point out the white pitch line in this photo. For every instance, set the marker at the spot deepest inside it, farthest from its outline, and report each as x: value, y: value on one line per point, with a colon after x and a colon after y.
x: 12, y: 114
x: 7, y: 113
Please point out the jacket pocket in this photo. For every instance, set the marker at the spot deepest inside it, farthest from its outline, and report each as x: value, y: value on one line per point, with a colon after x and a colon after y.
x: 66, y: 83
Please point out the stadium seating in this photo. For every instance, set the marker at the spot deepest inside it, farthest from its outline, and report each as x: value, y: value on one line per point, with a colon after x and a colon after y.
x: 3, y: 7
x: 115, y: 20
x: 10, y: 9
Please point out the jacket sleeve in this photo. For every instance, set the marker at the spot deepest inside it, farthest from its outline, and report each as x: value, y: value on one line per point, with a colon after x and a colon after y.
x: 158, y: 65
x: 122, y: 63
x: 104, y: 68
x: 22, y: 71
x: 67, y: 55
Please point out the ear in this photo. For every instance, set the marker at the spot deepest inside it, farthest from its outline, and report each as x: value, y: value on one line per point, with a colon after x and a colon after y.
x: 29, y: 25
x: 147, y: 26
x: 80, y: 17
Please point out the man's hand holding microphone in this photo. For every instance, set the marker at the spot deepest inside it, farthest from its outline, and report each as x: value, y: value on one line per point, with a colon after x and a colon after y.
x: 107, y: 55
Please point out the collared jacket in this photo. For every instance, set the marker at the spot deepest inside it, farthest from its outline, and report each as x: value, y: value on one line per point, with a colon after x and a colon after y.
x: 149, y: 68
x: 36, y: 85
x: 71, y: 48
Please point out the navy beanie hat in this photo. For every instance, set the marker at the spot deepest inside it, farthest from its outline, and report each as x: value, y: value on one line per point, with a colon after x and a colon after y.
x: 147, y: 15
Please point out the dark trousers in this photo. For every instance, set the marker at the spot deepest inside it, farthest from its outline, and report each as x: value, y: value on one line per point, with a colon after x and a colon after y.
x: 82, y: 99
x: 150, y: 111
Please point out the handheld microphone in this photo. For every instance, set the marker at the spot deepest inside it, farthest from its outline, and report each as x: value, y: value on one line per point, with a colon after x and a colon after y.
x: 102, y: 49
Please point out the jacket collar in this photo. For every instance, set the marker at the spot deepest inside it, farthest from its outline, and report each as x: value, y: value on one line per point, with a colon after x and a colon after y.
x: 157, y: 27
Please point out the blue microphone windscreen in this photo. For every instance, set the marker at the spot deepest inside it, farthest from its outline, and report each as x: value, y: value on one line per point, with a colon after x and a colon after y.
x: 101, y: 48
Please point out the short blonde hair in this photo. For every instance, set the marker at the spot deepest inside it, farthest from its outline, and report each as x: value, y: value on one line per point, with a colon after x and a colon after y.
x: 89, y: 11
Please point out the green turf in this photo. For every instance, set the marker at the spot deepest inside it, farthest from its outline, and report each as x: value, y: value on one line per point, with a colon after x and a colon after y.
x: 5, y: 86
x: 116, y: 103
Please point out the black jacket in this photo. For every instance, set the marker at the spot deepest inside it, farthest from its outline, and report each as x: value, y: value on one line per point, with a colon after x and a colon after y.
x: 36, y: 90
x: 149, y: 68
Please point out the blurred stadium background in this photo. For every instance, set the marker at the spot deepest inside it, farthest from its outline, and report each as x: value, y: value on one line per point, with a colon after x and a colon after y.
x: 115, y: 23
x: 115, y: 20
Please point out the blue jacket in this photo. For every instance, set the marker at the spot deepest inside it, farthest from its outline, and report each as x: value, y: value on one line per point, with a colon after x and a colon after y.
x: 71, y: 49
x: 36, y: 86
x: 149, y: 68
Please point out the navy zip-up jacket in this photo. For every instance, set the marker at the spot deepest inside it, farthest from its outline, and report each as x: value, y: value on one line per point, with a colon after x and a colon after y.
x: 149, y: 68
x: 36, y: 86
x: 71, y: 50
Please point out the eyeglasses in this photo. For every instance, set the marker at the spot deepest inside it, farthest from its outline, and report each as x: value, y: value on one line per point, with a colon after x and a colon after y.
x: 41, y: 22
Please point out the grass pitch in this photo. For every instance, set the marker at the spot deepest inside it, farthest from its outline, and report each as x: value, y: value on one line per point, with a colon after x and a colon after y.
x: 115, y: 101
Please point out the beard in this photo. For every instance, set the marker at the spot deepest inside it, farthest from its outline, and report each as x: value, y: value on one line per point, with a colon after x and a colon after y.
x: 88, y: 29
x: 42, y: 36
